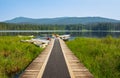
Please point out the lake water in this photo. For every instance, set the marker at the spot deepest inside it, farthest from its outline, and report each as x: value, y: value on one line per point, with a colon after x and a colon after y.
x: 73, y: 33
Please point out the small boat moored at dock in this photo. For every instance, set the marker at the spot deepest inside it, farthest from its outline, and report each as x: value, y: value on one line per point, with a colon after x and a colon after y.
x: 38, y: 42
x: 64, y: 37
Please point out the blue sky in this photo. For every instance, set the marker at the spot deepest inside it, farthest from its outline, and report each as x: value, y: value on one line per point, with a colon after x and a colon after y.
x: 59, y: 8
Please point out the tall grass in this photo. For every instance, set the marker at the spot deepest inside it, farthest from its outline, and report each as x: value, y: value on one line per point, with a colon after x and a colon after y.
x: 15, y: 55
x: 100, y: 56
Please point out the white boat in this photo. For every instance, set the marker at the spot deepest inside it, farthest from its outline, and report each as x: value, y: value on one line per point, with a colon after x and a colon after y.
x: 65, y: 37
x: 38, y: 42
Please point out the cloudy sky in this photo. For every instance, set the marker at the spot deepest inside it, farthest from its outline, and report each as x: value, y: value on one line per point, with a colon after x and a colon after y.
x: 59, y: 8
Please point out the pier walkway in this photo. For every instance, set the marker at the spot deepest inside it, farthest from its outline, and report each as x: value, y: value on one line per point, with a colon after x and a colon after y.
x: 56, y: 61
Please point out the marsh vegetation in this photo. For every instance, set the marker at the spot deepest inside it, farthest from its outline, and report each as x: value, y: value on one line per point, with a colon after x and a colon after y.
x: 100, y: 55
x: 15, y: 55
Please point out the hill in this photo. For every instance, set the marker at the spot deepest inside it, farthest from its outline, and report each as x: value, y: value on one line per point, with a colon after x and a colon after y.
x: 61, y: 20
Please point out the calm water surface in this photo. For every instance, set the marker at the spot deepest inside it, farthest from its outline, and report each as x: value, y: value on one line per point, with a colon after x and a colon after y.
x: 47, y: 33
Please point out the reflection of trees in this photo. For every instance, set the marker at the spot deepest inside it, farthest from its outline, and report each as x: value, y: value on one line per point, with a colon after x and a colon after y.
x: 98, y: 27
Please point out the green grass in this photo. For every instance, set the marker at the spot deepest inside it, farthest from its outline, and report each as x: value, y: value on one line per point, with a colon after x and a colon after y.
x: 100, y: 56
x: 15, y: 55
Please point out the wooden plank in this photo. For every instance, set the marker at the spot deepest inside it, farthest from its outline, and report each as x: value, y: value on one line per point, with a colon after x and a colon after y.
x: 76, y: 68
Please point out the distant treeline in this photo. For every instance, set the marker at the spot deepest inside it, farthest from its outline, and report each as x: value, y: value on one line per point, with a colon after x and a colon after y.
x: 92, y: 26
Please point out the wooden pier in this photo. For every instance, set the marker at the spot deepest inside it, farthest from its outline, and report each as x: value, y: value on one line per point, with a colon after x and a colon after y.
x: 56, y: 61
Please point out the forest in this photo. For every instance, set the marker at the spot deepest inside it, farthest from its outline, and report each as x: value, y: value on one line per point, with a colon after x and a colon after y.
x: 91, y: 26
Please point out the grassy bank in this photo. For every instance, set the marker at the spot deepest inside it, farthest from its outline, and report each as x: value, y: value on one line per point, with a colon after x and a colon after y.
x: 15, y: 55
x: 100, y: 56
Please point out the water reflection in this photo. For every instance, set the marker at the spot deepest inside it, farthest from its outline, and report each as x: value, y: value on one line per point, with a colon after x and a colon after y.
x: 73, y: 33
